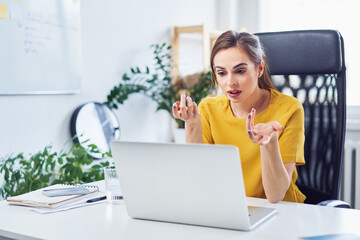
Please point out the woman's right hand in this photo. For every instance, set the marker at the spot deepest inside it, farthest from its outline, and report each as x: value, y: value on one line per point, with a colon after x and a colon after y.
x: 191, y: 116
x: 186, y: 113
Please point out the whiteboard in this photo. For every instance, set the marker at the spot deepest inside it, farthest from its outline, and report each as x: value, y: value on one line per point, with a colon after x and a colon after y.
x: 40, y: 47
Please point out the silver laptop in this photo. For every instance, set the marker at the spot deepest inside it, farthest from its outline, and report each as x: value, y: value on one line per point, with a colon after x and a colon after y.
x: 198, y: 184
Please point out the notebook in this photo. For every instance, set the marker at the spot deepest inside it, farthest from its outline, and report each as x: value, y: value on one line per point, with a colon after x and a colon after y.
x: 198, y: 184
x: 40, y: 197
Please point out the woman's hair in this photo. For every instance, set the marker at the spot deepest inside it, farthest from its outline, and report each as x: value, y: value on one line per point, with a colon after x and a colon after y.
x: 251, y: 45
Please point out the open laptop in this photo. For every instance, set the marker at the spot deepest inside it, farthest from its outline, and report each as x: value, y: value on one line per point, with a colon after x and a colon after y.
x: 197, y: 184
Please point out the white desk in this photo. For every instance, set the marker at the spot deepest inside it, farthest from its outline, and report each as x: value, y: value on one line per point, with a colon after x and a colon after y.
x: 104, y: 221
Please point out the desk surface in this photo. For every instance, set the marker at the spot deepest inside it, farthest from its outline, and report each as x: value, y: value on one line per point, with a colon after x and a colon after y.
x: 105, y: 221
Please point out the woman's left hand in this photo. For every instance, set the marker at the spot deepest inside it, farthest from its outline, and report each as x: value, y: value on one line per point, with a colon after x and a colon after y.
x: 261, y: 133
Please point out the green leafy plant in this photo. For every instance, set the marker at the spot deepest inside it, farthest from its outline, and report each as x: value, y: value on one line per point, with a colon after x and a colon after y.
x: 160, y: 86
x: 28, y: 173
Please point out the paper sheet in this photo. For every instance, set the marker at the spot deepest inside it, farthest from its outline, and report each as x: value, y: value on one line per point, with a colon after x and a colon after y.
x: 65, y: 208
x: 78, y: 204
x: 38, y: 199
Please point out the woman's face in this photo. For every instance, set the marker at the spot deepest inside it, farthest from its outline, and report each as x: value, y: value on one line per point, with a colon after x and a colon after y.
x: 236, y: 74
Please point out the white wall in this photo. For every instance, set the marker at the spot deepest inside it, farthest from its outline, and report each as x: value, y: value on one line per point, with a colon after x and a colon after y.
x: 282, y: 15
x: 238, y: 15
x: 116, y: 35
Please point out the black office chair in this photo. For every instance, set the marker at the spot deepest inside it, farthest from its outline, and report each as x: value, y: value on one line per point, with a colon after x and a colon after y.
x: 310, y: 66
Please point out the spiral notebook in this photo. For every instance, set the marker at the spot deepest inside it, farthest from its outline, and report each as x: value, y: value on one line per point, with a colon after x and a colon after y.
x: 38, y: 199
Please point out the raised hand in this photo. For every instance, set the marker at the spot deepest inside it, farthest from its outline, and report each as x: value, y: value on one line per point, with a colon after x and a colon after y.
x: 263, y: 132
x: 185, y: 112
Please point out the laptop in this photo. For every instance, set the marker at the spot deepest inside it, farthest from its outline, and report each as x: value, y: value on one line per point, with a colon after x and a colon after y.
x: 197, y: 184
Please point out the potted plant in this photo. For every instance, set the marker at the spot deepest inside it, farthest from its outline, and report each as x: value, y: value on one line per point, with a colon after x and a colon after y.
x: 25, y: 173
x: 159, y: 85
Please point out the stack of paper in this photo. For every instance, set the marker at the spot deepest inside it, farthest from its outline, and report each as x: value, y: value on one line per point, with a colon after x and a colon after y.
x: 39, y: 199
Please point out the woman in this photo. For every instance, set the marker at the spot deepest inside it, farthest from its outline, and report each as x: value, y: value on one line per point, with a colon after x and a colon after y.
x: 266, y: 125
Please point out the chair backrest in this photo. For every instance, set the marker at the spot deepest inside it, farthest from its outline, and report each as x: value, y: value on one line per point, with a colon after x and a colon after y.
x: 310, y: 66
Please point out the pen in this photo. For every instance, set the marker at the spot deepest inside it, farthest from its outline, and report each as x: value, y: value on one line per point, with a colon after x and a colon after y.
x: 96, y: 199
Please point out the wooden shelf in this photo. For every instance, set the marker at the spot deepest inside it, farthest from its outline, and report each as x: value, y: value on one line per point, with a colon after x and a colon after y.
x: 208, y: 39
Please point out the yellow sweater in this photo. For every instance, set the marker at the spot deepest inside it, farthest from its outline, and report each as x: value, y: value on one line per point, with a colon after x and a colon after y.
x: 220, y: 126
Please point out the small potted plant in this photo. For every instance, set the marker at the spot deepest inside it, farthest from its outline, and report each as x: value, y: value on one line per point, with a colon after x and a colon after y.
x: 160, y: 85
x: 24, y: 173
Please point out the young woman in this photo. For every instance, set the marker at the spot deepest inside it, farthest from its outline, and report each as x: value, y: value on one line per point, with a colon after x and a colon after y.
x: 266, y: 125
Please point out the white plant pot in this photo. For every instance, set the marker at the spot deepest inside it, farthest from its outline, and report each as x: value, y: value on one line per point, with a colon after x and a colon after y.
x: 179, y: 135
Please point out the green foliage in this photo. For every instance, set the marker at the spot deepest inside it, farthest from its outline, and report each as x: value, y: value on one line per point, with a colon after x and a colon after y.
x: 159, y: 86
x: 24, y: 174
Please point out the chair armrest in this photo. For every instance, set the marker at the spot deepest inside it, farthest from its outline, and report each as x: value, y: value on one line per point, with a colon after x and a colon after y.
x: 334, y: 203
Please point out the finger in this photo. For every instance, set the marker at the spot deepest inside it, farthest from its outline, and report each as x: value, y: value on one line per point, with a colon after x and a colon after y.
x: 182, y: 100
x: 252, y: 113
x: 174, y: 110
x: 277, y: 126
x: 262, y: 130
x: 182, y: 106
x: 256, y: 139
x: 195, y: 111
x: 190, y: 104
x: 248, y: 124
x: 266, y: 139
